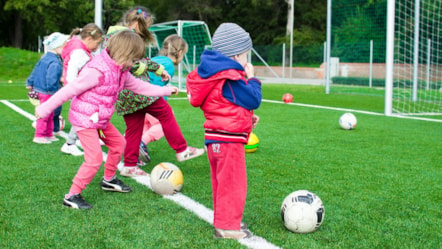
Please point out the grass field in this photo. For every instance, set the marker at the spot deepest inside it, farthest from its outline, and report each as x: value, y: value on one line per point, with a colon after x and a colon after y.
x: 380, y: 183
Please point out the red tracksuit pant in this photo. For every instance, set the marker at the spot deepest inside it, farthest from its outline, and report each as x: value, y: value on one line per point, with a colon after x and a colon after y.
x: 229, y: 183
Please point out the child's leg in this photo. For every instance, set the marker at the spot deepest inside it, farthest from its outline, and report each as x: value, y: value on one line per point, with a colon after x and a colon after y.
x: 93, y: 157
x: 162, y: 111
x: 44, y: 126
x: 116, y: 144
x: 56, y: 119
x: 72, y: 136
x: 134, y: 130
x: 152, y: 130
x: 229, y: 183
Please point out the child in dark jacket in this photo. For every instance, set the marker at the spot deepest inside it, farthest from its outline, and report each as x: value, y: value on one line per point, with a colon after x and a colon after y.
x: 225, y: 89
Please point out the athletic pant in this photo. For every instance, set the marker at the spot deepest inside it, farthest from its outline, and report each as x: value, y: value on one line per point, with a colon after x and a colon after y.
x: 93, y: 155
x: 44, y: 126
x: 229, y: 183
x: 162, y: 111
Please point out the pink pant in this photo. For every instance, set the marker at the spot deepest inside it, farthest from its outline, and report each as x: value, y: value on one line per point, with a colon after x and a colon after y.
x: 93, y: 155
x: 44, y: 126
x: 162, y: 111
x: 229, y: 183
x: 152, y: 130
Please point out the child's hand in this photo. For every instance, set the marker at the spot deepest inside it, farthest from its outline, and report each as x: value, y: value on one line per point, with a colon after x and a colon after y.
x: 174, y: 90
x: 165, y: 76
x: 30, y: 88
x: 255, y: 120
x: 37, y: 116
x: 250, y: 70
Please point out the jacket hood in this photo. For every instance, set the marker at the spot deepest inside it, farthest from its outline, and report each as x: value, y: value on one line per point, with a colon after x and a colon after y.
x: 213, y: 62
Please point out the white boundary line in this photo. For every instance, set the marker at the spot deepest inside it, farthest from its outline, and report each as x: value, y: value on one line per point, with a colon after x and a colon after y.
x: 198, y: 209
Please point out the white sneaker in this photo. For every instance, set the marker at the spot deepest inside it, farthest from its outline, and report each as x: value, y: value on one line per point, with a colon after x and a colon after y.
x: 71, y: 149
x: 41, y: 140
x: 189, y: 153
x: 132, y: 171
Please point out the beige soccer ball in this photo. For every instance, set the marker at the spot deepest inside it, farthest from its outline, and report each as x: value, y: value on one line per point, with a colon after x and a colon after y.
x: 166, y: 179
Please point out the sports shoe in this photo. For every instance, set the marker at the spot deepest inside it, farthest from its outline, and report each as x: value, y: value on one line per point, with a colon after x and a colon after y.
x: 41, y: 140
x: 132, y: 171
x: 52, y: 138
x: 114, y: 185
x: 244, y: 225
x: 71, y: 149
x: 144, y: 153
x: 189, y: 153
x: 140, y: 163
x: 77, y: 202
x: 232, y: 234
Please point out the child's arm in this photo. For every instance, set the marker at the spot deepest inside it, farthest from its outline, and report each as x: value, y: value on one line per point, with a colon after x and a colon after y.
x: 78, y: 59
x: 87, y: 79
x: 245, y: 94
x: 53, y: 76
x: 144, y: 88
x: 147, y: 64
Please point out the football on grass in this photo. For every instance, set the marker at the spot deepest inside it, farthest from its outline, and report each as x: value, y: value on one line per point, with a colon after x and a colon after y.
x: 166, y: 179
x: 287, y: 98
x: 302, y: 212
x: 348, y: 121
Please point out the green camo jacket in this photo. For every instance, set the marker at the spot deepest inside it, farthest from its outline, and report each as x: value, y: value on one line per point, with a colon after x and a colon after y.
x: 128, y: 102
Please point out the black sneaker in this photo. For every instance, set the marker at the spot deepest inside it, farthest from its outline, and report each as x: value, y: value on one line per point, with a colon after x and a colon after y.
x: 114, y: 185
x: 77, y: 202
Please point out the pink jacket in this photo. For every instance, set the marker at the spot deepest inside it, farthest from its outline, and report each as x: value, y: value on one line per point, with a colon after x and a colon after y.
x: 74, y: 43
x: 95, y: 91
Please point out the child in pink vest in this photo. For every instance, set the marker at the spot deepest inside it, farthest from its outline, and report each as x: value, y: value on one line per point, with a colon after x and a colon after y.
x: 76, y: 53
x: 94, y: 93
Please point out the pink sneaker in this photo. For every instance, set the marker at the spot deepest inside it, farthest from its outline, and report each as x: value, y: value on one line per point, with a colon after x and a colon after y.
x: 189, y: 153
x: 132, y: 172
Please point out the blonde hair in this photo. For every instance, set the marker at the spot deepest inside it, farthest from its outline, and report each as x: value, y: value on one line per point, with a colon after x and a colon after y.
x: 143, y: 18
x: 172, y: 45
x: 89, y: 30
x: 126, y: 46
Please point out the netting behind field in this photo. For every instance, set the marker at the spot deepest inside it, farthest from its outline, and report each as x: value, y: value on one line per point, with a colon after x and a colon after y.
x: 195, y: 33
x: 417, y: 76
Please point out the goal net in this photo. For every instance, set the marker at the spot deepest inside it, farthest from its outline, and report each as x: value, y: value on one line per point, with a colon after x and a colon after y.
x: 414, y: 62
x: 197, y: 36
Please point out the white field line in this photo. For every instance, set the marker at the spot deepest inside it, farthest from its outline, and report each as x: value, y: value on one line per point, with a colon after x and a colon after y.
x: 198, y: 209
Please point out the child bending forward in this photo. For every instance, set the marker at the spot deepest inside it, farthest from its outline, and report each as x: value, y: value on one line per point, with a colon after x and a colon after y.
x: 94, y: 93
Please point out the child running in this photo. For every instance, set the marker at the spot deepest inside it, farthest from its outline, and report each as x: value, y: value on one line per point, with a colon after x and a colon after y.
x: 45, y: 81
x: 225, y: 89
x: 94, y: 93
x: 134, y: 106
x: 170, y: 55
x: 76, y: 53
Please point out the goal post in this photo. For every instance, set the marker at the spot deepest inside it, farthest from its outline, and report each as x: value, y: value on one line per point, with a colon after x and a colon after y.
x: 414, y: 58
x: 197, y: 36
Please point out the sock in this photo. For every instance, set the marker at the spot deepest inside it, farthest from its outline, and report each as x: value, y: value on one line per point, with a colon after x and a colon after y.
x: 69, y: 195
x: 108, y: 178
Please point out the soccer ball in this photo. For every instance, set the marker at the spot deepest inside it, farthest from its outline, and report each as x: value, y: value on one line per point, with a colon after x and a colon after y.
x: 166, y: 179
x: 302, y: 212
x: 252, y: 143
x: 348, y: 121
x: 287, y: 98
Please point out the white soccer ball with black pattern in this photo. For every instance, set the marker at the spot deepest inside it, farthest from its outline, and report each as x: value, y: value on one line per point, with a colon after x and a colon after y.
x: 348, y: 121
x: 166, y: 179
x: 302, y: 212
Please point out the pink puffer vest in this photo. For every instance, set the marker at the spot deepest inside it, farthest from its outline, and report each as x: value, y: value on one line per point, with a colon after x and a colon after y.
x: 101, y: 98
x: 73, y: 44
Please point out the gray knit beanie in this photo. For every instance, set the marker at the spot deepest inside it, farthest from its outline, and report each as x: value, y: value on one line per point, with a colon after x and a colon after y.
x: 230, y: 39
